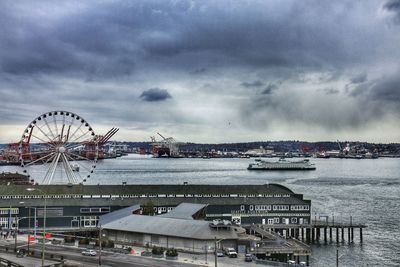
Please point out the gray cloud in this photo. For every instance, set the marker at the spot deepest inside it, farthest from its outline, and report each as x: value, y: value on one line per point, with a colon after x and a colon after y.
x: 269, y: 89
x: 220, y: 60
x: 362, y: 77
x: 155, y: 94
x: 257, y: 83
x: 393, y: 6
x: 331, y: 91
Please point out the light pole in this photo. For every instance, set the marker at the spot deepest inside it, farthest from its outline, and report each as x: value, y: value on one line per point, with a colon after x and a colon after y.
x: 17, y: 229
x: 44, y: 220
x: 100, y: 236
x: 215, y: 249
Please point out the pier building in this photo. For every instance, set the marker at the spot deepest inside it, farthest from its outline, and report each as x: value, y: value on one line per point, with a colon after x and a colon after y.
x: 79, y: 206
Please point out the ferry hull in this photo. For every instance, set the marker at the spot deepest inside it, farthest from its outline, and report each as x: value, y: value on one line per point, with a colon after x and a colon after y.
x: 282, y: 169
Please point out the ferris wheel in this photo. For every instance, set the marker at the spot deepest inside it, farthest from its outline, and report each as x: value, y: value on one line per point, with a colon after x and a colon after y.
x: 59, y: 147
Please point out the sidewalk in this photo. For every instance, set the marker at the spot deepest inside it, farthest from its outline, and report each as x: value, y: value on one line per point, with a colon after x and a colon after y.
x: 200, y: 260
x: 195, y: 259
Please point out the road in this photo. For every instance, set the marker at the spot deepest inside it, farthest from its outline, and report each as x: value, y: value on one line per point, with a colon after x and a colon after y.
x: 108, y: 258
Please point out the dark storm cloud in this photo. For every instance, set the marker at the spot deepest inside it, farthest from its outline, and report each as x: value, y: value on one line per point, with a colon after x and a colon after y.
x: 198, y: 71
x: 362, y: 77
x: 384, y: 91
x: 269, y: 89
x: 393, y: 6
x: 257, y: 83
x: 331, y: 91
x: 90, y: 56
x: 155, y: 94
x: 112, y: 38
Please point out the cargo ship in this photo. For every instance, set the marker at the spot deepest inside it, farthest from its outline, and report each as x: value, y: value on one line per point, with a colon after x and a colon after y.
x: 282, y: 164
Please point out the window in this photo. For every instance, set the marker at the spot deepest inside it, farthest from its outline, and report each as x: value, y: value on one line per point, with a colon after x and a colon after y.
x: 293, y: 220
x: 281, y: 207
x: 251, y: 207
x: 242, y: 207
x: 276, y: 220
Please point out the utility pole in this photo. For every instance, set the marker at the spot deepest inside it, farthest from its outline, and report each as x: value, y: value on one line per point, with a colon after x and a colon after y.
x: 215, y: 251
x: 100, y: 245
x: 29, y: 229
x: 16, y: 234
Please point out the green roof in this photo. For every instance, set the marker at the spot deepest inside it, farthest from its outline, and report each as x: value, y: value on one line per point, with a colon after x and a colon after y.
x: 145, y: 189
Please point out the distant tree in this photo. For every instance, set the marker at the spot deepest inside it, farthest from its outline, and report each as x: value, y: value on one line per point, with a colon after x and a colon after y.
x: 148, y: 208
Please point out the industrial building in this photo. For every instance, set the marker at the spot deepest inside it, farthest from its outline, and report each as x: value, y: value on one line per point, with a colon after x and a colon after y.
x: 182, y: 229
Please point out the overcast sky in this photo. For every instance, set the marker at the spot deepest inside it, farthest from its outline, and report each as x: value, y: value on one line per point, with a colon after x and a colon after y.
x: 205, y: 71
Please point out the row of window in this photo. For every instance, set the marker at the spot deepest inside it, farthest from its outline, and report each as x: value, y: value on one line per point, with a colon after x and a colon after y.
x: 160, y: 210
x: 142, y: 196
x: 299, y: 207
x: 292, y: 220
x: 275, y: 207
x: 7, y: 211
x: 95, y: 210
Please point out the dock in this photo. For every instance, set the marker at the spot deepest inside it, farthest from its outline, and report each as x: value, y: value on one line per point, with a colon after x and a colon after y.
x: 317, y: 231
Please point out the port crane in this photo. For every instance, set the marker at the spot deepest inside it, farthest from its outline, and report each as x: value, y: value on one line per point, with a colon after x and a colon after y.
x: 167, y: 147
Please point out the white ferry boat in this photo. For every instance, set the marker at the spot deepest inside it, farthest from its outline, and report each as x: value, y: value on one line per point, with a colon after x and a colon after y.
x: 282, y: 164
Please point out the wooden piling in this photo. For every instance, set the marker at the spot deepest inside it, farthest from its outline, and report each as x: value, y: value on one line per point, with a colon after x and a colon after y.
x: 352, y: 234
x: 342, y: 234
x: 337, y: 234
x: 348, y: 234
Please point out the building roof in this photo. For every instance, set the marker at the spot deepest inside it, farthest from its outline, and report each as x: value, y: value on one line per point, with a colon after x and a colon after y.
x: 118, y: 214
x: 184, y: 211
x: 154, y: 189
x: 159, y: 225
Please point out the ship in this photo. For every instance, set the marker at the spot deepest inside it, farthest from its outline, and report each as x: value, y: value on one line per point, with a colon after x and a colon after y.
x: 282, y: 164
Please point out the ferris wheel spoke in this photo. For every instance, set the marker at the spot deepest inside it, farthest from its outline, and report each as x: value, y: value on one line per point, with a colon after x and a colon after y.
x: 77, y: 162
x: 76, y: 139
x: 76, y: 130
x: 40, y: 159
x: 62, y: 133
x: 80, y: 165
x: 51, y: 158
x: 55, y: 124
x: 46, y: 135
x: 48, y: 127
x: 67, y: 167
x: 50, y: 172
x: 40, y: 139
x: 73, y: 146
x: 69, y: 128
x: 67, y: 136
x: 54, y: 168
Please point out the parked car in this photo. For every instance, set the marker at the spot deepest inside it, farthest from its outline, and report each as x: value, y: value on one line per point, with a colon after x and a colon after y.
x: 291, y: 262
x: 22, y: 253
x: 248, y: 258
x: 89, y: 252
x: 231, y: 252
x: 220, y: 253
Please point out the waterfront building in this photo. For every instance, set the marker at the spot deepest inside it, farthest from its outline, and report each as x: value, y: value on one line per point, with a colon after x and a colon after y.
x: 79, y: 206
x: 182, y: 229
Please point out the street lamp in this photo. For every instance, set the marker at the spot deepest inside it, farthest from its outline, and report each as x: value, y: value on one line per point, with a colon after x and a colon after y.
x: 44, y: 220
x: 215, y: 249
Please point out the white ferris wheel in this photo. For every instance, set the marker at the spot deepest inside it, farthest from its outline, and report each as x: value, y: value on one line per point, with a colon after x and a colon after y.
x: 59, y: 147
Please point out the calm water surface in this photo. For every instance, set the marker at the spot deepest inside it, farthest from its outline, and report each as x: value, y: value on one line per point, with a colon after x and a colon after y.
x: 368, y: 190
